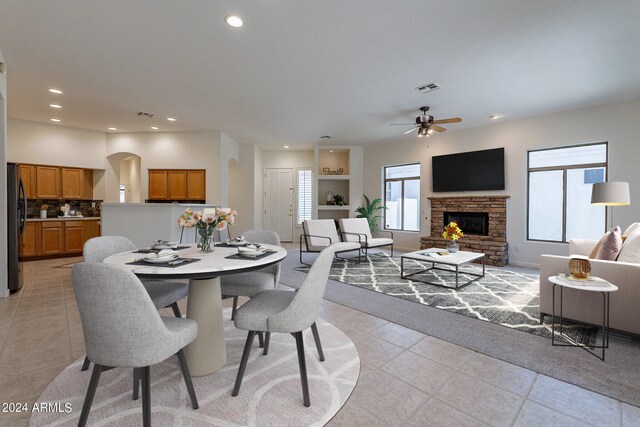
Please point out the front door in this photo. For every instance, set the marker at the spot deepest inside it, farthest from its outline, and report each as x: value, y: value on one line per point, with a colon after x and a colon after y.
x: 278, y: 202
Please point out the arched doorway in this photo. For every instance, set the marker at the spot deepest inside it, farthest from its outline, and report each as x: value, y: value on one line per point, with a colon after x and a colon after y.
x: 126, y: 183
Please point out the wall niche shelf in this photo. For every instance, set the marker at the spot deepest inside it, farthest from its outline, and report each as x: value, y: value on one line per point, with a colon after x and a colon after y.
x: 337, y: 170
x: 333, y: 208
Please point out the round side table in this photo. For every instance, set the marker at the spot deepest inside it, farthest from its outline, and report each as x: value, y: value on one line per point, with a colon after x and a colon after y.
x: 597, y: 285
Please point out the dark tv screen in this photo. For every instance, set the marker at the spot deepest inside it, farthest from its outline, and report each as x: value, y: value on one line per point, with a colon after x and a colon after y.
x: 470, y: 171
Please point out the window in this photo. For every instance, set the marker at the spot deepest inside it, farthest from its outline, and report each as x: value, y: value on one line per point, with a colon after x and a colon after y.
x: 304, y: 195
x: 559, y: 195
x: 123, y: 190
x: 402, y: 197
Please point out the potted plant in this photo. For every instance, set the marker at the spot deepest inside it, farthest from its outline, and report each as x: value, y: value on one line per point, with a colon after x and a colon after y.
x: 338, y: 200
x: 452, y: 233
x: 371, y: 211
x: 43, y: 210
x: 206, y: 224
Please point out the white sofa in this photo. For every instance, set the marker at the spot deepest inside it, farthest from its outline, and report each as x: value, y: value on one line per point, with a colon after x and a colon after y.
x: 587, y: 306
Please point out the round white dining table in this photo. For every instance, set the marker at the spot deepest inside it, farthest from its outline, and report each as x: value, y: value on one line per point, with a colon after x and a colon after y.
x: 207, y: 353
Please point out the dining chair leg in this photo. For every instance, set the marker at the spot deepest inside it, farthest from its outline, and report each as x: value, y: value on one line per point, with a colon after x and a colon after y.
x: 303, y: 368
x: 260, y: 340
x: 86, y: 363
x: 243, y: 362
x: 146, y: 396
x: 267, y: 338
x: 136, y: 383
x: 316, y: 338
x: 176, y: 310
x: 187, y: 379
x: 91, y: 392
x: 235, y: 307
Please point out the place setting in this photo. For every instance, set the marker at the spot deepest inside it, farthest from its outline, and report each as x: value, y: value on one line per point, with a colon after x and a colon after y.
x: 251, y: 251
x: 163, y: 258
x: 160, y: 245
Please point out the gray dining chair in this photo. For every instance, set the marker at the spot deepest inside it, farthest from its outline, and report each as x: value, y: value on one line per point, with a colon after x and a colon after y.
x: 123, y: 329
x: 163, y: 293
x: 291, y: 312
x: 254, y: 282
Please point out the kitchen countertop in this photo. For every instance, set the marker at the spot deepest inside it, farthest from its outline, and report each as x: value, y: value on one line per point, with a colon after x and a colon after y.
x: 69, y: 218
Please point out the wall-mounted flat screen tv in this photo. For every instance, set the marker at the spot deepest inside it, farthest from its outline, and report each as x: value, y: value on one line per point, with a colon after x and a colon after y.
x: 470, y: 171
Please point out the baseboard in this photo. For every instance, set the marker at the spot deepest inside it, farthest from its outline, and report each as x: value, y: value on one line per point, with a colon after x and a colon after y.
x: 524, y: 264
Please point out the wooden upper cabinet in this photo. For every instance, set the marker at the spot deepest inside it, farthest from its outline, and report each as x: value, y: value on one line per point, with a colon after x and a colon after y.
x: 177, y: 185
x: 72, y: 183
x: 196, y: 185
x: 28, y: 174
x: 47, y: 182
x: 158, y: 184
x: 87, y: 184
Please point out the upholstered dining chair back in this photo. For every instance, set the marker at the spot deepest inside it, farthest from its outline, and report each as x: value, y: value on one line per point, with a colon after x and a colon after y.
x: 99, y: 248
x: 120, y: 323
x: 269, y: 237
x: 304, y: 309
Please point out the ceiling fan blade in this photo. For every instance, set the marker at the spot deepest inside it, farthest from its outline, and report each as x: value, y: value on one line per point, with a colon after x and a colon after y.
x: 410, y: 130
x: 451, y: 120
x: 402, y: 124
x: 437, y: 128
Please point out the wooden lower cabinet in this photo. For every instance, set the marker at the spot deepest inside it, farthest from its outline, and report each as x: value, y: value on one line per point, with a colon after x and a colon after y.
x: 73, y: 237
x: 91, y: 229
x: 30, y: 240
x: 51, y: 240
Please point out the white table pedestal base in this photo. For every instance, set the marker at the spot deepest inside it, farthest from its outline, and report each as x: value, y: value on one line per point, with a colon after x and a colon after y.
x: 207, y: 353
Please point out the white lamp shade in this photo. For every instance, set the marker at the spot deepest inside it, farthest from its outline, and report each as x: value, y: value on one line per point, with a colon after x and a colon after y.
x: 610, y: 194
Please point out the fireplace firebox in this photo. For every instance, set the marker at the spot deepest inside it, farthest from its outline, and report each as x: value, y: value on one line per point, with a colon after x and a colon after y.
x: 474, y: 223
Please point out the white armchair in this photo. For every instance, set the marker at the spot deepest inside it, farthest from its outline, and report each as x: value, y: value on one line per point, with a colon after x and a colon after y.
x: 587, y: 306
x: 318, y: 234
x: 357, y: 230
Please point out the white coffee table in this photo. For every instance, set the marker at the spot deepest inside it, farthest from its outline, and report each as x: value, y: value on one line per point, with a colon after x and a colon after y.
x: 455, y: 260
x: 599, y: 285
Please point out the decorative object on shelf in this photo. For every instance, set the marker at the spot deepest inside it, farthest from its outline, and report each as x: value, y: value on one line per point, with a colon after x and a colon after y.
x: 370, y: 211
x: 43, y: 210
x: 452, y: 233
x: 579, y: 267
x: 327, y: 171
x: 65, y: 209
x: 338, y: 200
x: 329, y: 198
x: 206, y: 223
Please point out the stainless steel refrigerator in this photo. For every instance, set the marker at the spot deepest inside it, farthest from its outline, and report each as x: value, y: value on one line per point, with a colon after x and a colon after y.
x: 17, y: 218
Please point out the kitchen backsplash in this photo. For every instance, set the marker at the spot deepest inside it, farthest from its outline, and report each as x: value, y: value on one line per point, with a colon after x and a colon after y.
x: 53, y: 210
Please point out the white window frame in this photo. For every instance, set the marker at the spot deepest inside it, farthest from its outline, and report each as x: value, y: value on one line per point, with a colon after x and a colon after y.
x: 384, y: 195
x: 298, y: 222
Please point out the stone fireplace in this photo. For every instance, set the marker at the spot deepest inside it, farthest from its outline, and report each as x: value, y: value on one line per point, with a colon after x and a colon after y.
x: 483, y: 219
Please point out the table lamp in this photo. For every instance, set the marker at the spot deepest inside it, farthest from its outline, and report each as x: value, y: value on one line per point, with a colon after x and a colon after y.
x: 610, y: 194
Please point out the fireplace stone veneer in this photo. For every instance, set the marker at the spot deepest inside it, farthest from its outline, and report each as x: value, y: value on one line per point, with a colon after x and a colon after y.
x: 494, y: 245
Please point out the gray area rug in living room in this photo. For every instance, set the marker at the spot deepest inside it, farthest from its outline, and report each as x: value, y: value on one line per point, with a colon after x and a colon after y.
x: 504, y: 297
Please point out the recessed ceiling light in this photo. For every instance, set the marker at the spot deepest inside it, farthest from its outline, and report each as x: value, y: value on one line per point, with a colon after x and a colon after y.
x: 494, y: 116
x: 171, y: 119
x: 55, y: 106
x: 233, y: 21
x: 331, y: 151
x: 155, y: 127
x: 56, y: 91
x: 55, y: 120
x: 113, y: 129
x: 286, y: 146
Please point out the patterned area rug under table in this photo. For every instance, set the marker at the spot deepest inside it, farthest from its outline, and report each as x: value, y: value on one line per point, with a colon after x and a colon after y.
x: 504, y: 297
x: 271, y: 392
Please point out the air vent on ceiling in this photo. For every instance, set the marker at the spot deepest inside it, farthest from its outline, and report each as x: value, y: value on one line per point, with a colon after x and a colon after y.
x: 146, y: 115
x: 429, y: 87
x: 325, y: 137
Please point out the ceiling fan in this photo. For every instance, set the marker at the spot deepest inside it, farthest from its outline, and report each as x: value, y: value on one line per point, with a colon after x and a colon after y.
x: 425, y: 125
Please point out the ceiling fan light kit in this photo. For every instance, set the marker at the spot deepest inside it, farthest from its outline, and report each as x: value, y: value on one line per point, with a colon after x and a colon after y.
x: 425, y: 123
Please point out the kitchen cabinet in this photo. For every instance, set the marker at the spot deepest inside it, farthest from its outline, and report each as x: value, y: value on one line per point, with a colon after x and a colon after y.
x: 196, y: 185
x: 28, y: 175
x: 47, y: 182
x: 87, y: 184
x: 30, y: 240
x: 73, y: 237
x: 51, y: 238
x: 158, y: 184
x: 72, y: 180
x: 91, y: 229
x: 176, y: 185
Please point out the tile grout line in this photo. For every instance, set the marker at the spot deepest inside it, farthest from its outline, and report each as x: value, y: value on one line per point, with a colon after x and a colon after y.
x: 524, y: 400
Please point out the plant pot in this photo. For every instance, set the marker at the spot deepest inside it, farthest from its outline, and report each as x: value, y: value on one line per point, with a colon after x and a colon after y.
x: 43, y: 214
x: 452, y: 246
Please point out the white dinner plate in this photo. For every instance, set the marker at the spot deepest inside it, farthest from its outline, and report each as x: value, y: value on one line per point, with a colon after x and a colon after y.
x: 162, y: 260
x: 250, y: 253
x: 236, y: 243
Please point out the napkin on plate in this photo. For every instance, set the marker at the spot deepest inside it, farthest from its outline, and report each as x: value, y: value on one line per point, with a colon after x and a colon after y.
x: 165, y: 253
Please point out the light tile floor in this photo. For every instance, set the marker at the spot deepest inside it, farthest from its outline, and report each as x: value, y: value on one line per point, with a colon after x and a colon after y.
x: 407, y: 378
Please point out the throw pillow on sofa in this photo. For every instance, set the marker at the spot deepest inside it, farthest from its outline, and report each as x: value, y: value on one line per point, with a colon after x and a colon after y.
x: 609, y: 245
x: 630, y: 251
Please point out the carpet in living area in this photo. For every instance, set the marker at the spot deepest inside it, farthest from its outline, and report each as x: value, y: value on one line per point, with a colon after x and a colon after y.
x: 505, y: 297
x: 617, y: 377
x: 271, y: 393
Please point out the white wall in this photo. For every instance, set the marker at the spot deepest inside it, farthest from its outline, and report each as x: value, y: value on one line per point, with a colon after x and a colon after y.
x: 4, y: 290
x: 229, y: 152
x: 166, y: 150
x: 616, y: 123
x: 31, y: 142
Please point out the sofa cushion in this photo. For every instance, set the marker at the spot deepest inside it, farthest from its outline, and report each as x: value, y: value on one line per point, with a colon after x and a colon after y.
x: 610, y: 245
x: 632, y: 228
x: 630, y: 251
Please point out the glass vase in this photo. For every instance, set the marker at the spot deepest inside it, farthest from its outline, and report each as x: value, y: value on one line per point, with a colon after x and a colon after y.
x: 452, y: 246
x: 206, y: 243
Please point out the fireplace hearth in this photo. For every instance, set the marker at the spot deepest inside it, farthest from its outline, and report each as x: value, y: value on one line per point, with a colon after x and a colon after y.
x: 471, y: 223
